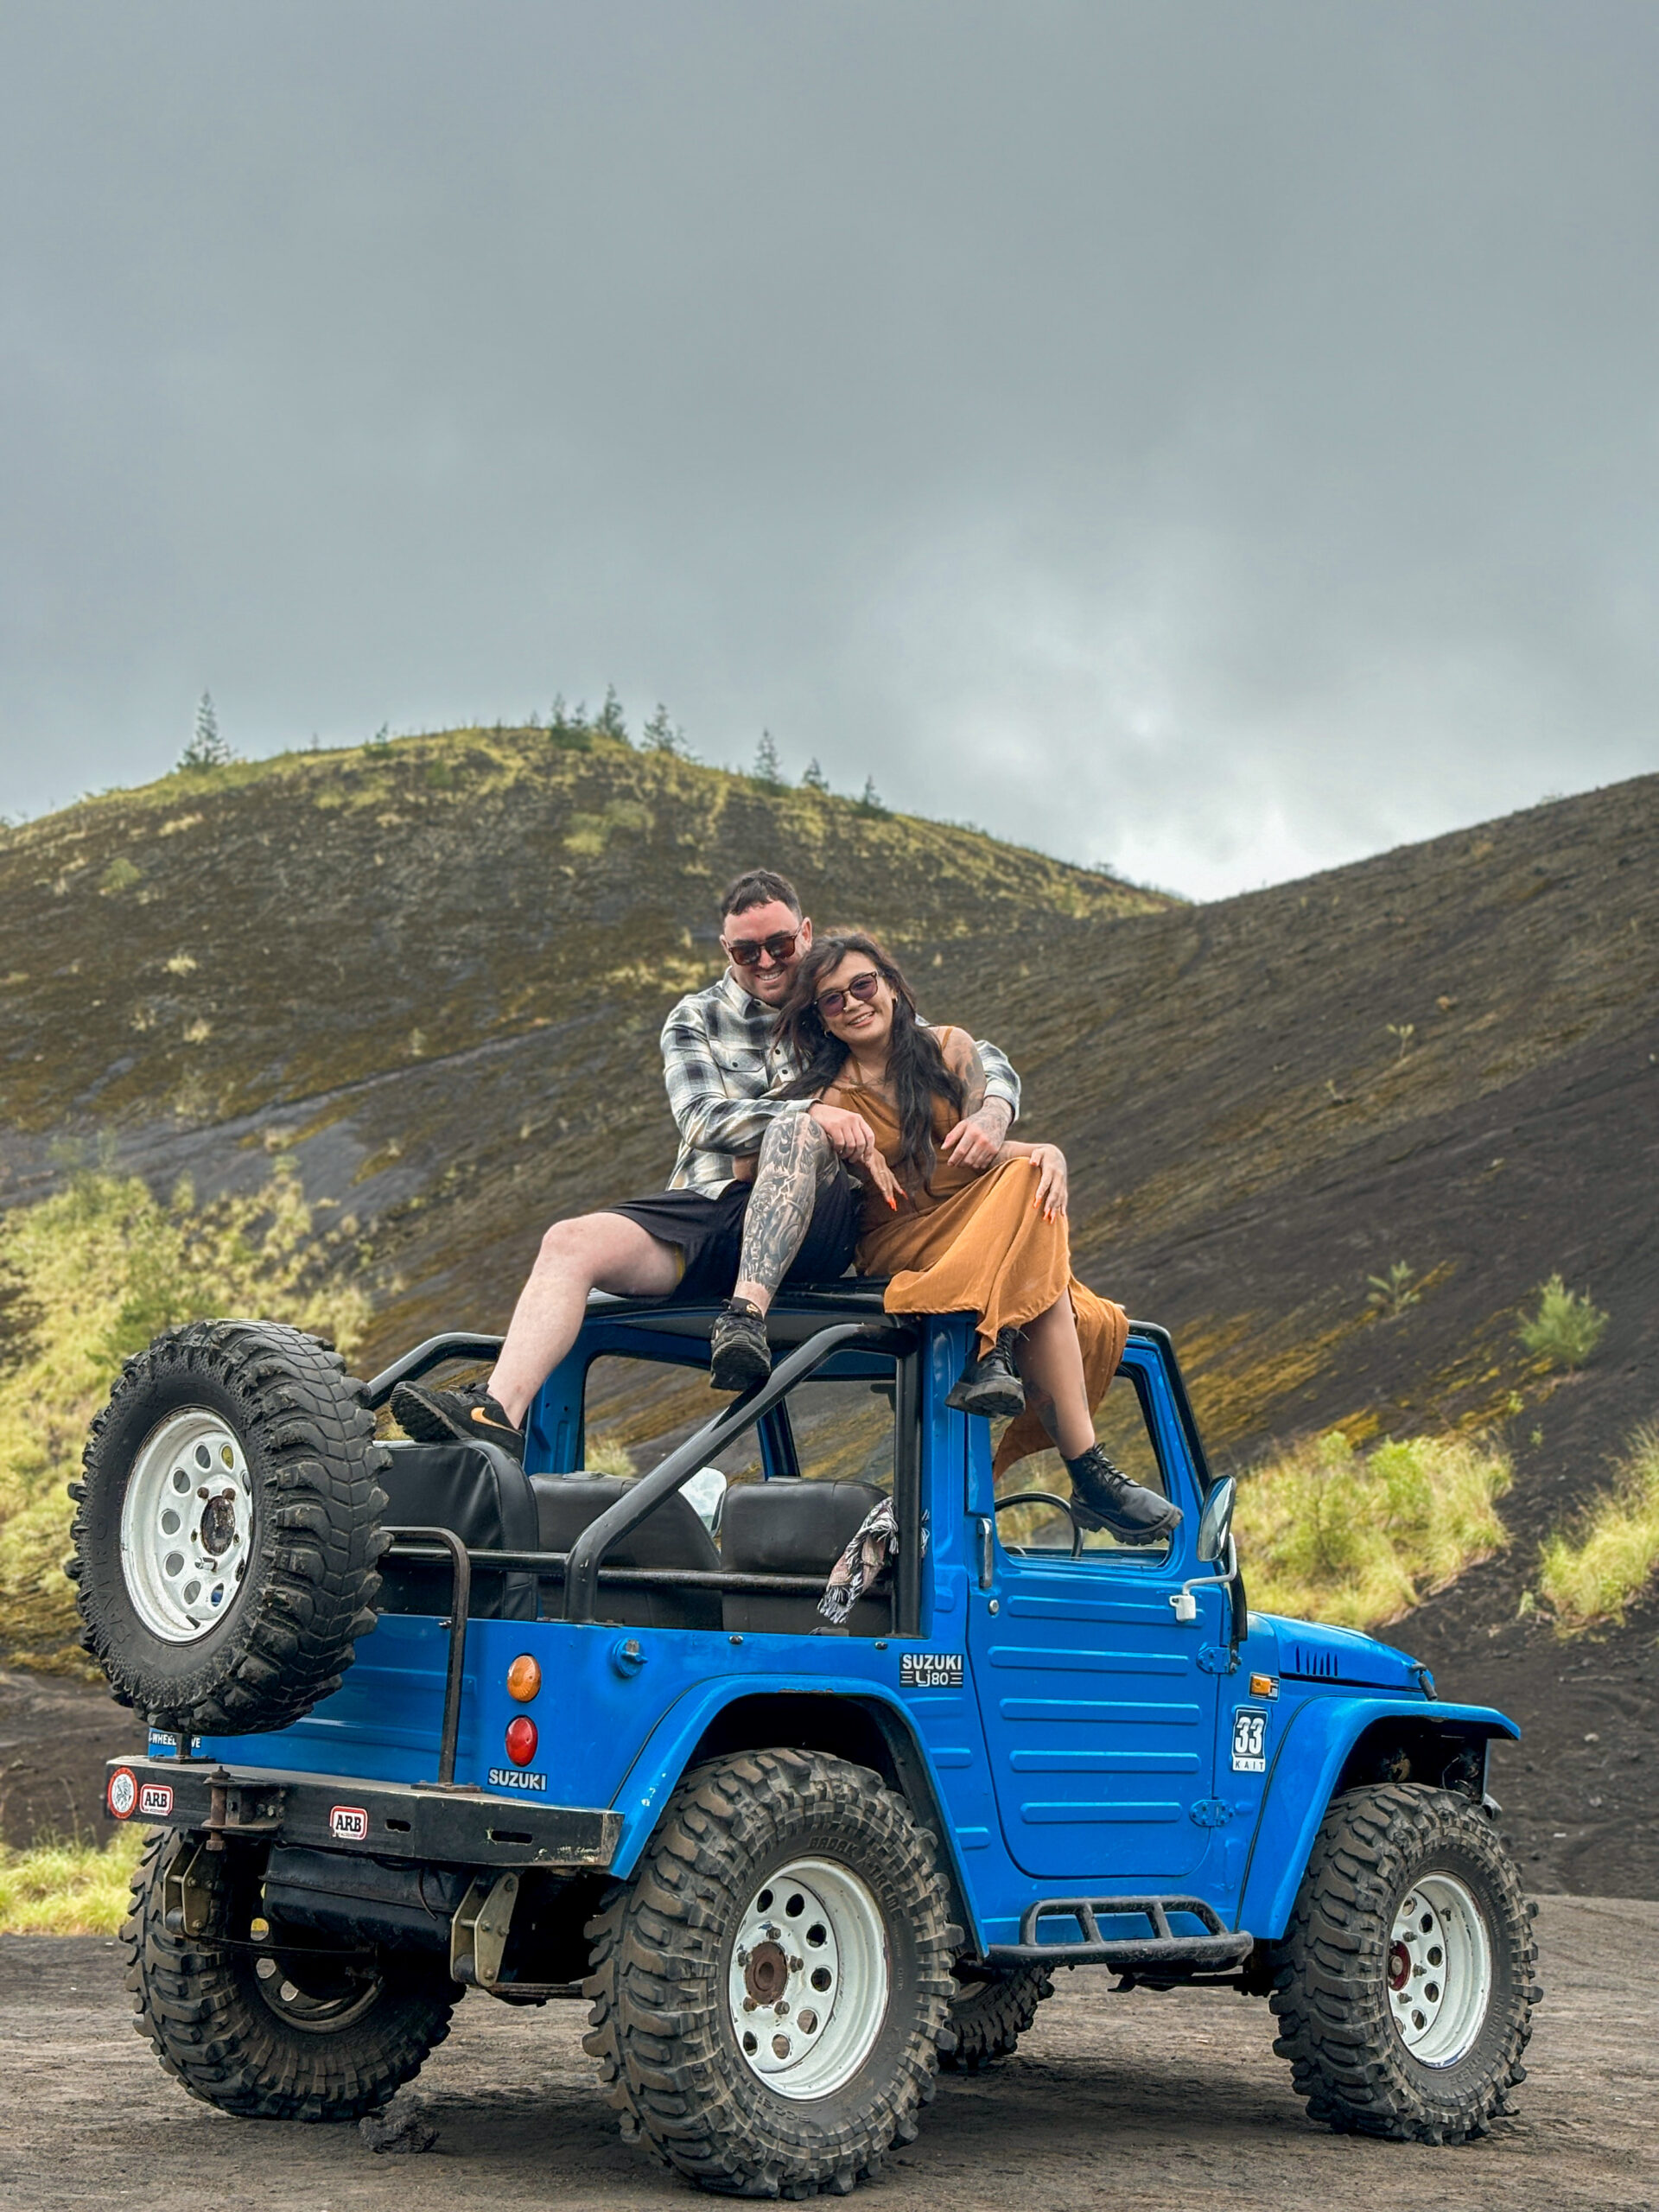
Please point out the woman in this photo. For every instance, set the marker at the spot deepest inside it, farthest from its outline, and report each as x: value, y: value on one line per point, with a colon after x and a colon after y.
x: 992, y: 1243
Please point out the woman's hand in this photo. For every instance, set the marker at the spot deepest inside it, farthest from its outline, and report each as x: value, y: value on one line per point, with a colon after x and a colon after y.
x: 882, y: 1179
x: 1051, y: 1180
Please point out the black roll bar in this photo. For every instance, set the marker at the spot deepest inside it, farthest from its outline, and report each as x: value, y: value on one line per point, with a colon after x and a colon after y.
x: 461, y: 1601
x: 582, y: 1570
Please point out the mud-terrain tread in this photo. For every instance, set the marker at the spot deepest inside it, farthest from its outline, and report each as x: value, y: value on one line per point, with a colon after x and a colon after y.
x: 216, y: 2035
x: 658, y: 1988
x: 989, y: 2015
x: 1328, y: 1998
x: 308, y: 1436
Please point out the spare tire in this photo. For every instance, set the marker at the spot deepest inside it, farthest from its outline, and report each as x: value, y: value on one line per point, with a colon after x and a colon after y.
x: 228, y: 1528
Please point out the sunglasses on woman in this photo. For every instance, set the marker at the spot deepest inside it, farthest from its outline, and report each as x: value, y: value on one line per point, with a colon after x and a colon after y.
x: 745, y: 951
x: 862, y: 988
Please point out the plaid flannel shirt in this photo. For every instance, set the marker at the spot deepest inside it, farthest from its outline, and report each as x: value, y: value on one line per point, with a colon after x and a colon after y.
x: 723, y: 1072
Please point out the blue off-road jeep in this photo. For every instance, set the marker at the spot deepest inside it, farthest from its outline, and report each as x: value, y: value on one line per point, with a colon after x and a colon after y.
x: 422, y: 1721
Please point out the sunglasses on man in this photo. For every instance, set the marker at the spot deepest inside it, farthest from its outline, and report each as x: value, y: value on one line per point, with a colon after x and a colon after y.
x: 862, y: 988
x: 745, y: 951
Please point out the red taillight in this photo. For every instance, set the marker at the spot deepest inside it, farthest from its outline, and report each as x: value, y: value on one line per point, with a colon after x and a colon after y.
x: 521, y: 1740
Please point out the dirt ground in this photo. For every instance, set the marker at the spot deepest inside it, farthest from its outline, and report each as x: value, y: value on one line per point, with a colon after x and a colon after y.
x: 1131, y: 2101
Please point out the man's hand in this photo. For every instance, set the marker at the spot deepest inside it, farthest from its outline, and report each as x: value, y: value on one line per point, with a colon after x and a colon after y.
x: 851, y: 1138
x: 977, y: 1141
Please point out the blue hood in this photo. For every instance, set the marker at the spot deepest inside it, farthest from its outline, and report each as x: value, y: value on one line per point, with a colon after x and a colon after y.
x: 1308, y: 1651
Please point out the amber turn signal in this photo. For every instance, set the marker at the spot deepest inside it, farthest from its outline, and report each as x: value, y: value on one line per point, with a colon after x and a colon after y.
x: 521, y: 1740
x: 524, y: 1678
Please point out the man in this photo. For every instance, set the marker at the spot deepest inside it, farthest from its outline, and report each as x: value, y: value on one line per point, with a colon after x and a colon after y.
x: 722, y: 1072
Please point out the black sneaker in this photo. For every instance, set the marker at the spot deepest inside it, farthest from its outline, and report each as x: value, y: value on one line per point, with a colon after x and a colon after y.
x: 1103, y: 1497
x: 991, y: 1385
x: 469, y: 1413
x: 739, y: 1354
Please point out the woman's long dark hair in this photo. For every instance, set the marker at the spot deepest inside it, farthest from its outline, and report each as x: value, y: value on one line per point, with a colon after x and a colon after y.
x: 916, y: 1066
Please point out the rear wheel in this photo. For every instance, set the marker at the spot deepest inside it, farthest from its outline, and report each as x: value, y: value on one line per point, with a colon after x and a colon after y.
x: 1404, y: 1985
x: 771, y: 1989
x: 990, y: 2013
x: 268, y: 2032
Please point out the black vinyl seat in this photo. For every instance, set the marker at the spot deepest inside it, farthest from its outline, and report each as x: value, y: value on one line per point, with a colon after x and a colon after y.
x: 484, y: 1495
x: 794, y: 1526
x: 671, y: 1535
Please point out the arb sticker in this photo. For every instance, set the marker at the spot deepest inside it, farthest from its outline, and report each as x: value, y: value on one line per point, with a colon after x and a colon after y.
x: 1250, y: 1732
x: 349, y: 1823
x: 929, y: 1670
x: 122, y: 1793
x: 155, y: 1800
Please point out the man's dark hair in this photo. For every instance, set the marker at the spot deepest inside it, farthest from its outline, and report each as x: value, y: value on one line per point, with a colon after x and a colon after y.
x: 760, y: 887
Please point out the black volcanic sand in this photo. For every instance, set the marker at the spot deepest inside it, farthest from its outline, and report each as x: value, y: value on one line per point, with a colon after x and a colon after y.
x: 1137, y: 2101
x: 436, y: 975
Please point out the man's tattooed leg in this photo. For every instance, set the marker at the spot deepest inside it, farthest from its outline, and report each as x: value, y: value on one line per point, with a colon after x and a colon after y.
x: 796, y: 1161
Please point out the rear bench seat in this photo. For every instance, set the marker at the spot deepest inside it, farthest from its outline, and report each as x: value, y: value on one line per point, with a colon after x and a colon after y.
x: 671, y: 1535
x: 794, y: 1526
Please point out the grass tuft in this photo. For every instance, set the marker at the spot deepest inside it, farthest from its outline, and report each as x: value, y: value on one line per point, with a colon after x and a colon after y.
x: 1591, y: 1575
x: 1329, y: 1534
x: 68, y: 1889
x: 1566, y: 1329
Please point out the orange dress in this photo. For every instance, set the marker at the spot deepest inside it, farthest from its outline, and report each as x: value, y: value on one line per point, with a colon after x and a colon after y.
x: 968, y: 1243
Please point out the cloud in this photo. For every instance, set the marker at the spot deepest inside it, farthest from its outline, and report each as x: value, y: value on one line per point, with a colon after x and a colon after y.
x: 1219, y: 441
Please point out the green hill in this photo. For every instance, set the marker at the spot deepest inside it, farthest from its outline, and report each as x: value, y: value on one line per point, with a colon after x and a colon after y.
x: 429, y: 977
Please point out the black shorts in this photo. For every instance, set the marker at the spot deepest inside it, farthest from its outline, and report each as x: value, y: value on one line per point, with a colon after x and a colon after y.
x: 709, y: 1232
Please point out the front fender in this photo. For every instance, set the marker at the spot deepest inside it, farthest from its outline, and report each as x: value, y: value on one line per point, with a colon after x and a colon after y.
x: 663, y: 1759
x: 1313, y: 1748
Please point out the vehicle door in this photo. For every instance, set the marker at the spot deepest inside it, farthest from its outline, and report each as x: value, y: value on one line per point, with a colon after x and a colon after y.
x: 1099, y: 1711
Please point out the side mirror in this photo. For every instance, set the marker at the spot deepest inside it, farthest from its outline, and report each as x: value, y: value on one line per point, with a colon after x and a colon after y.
x: 1216, y: 1521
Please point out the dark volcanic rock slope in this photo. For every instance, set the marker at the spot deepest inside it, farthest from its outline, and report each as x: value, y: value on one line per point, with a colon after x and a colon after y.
x: 434, y: 972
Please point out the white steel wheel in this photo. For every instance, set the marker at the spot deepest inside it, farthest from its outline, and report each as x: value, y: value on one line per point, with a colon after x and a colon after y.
x: 1439, y: 1970
x: 808, y: 1981
x: 186, y: 1525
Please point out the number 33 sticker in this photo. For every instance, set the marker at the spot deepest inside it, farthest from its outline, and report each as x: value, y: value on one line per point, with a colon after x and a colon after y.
x: 1250, y: 1732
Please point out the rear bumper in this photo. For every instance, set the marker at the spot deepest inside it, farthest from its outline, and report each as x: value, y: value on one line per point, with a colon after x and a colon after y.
x: 461, y: 1827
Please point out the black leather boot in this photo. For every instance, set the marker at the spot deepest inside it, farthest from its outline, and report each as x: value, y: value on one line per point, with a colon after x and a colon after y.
x: 739, y: 1354
x: 991, y: 1385
x: 1103, y: 1497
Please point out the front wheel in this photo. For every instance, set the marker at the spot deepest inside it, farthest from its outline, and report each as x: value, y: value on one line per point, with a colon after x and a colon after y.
x: 1404, y: 1987
x: 771, y: 1989
x: 314, y: 2032
x: 991, y: 2011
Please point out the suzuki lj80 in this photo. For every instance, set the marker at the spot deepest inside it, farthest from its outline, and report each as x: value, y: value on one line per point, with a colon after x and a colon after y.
x: 423, y: 1721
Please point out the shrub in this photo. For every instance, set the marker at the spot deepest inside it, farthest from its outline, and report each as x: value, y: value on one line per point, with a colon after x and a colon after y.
x: 1391, y: 1293
x: 1566, y: 1328
x: 87, y: 1276
x: 1328, y: 1533
x: 68, y: 1889
x: 1592, y: 1574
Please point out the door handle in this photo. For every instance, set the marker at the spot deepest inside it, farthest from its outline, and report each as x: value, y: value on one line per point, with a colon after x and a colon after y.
x: 987, y: 1552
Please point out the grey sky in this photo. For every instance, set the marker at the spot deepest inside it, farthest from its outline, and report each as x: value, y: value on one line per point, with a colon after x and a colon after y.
x: 1218, y: 438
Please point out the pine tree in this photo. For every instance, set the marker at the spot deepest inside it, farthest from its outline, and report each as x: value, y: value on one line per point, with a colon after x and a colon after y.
x: 206, y: 748
x: 609, y: 722
x: 768, y: 771
x: 872, y: 802
x: 815, y: 779
x: 662, y: 735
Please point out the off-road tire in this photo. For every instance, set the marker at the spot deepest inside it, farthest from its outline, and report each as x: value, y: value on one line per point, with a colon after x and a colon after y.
x: 307, y: 1594
x: 661, y: 2026
x: 1330, y: 1993
x: 991, y: 2011
x: 201, y: 2006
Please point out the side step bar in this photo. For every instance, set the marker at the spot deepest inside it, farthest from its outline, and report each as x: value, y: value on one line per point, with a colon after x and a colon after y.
x: 1218, y: 1947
